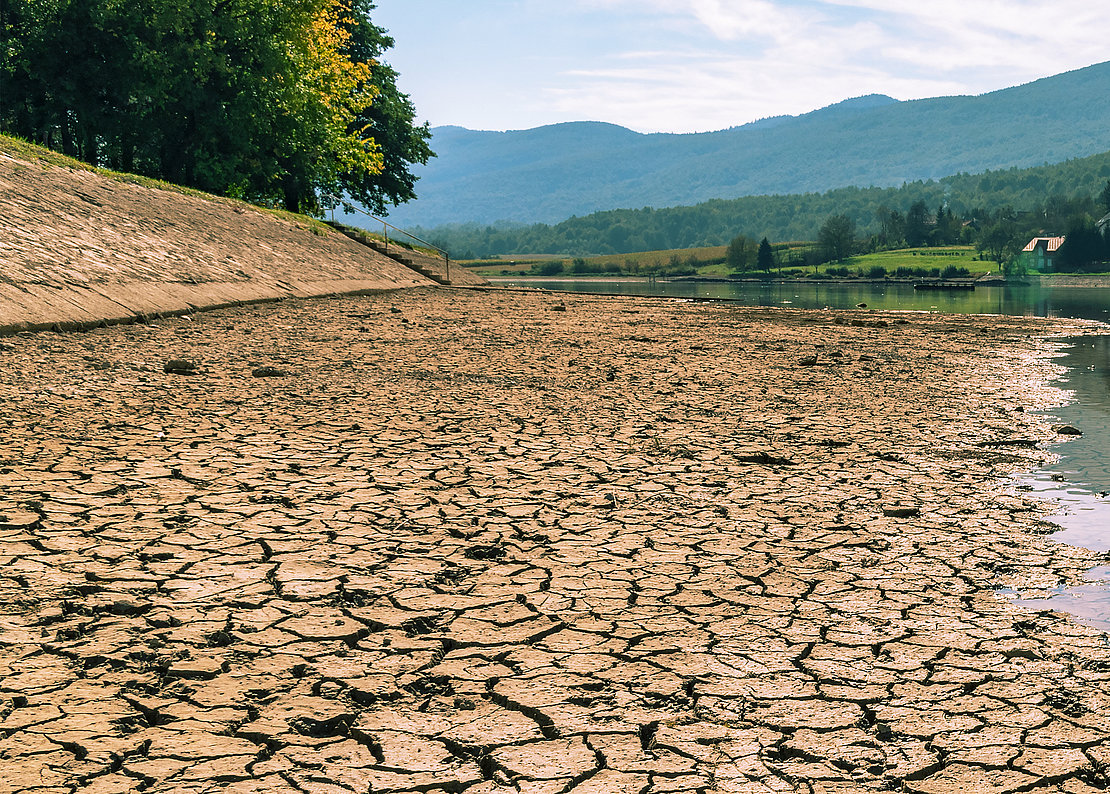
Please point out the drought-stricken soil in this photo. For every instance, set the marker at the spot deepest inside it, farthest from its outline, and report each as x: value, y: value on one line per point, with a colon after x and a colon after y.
x: 494, y: 542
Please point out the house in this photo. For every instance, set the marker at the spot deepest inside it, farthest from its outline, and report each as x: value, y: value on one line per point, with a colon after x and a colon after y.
x: 1040, y: 253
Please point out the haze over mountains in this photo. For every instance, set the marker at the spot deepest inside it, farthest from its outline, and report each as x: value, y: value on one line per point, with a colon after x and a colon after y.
x: 550, y: 173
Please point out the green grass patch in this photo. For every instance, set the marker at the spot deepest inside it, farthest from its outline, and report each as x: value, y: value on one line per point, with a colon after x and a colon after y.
x: 919, y: 258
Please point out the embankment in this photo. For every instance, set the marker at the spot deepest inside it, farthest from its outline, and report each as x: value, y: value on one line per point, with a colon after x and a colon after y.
x: 81, y: 248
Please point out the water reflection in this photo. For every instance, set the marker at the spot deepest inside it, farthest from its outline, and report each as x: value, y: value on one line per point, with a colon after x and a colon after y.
x: 1092, y: 303
x: 1088, y: 602
x: 1080, y: 480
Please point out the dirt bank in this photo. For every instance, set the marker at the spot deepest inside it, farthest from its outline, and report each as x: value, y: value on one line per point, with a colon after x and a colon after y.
x: 495, y: 542
x: 78, y: 248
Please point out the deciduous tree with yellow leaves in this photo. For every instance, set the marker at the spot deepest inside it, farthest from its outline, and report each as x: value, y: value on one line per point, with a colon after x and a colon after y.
x: 267, y: 100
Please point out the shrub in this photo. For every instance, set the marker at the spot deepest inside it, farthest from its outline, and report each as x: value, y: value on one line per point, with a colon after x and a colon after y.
x: 876, y: 271
x: 839, y: 272
x: 551, y: 268
x: 955, y: 272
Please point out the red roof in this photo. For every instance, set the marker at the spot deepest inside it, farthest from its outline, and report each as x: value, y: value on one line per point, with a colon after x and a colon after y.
x: 1050, y: 244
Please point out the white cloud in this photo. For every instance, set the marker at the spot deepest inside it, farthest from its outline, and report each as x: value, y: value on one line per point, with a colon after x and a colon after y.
x: 766, y: 57
x: 683, y: 65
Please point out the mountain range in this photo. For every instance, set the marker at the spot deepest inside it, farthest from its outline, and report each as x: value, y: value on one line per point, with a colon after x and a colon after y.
x: 553, y: 172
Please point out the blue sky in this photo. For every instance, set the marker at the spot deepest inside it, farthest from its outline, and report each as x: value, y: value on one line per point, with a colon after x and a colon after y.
x: 697, y: 65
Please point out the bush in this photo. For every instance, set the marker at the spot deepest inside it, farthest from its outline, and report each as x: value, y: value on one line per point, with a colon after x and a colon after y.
x: 955, y: 272
x: 839, y: 272
x: 876, y: 271
x: 551, y: 268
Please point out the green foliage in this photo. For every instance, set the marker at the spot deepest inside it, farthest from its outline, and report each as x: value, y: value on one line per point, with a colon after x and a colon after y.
x: 765, y: 258
x: 552, y: 267
x: 1044, y: 198
x: 271, y: 102
x: 837, y: 237
x: 1085, y: 249
x: 740, y: 254
x: 389, y: 120
x: 876, y: 271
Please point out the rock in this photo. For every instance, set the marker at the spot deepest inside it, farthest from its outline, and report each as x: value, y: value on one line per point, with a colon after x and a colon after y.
x: 1067, y: 430
x: 180, y: 366
x: 900, y: 511
x: 559, y: 307
x: 808, y: 361
x: 268, y: 372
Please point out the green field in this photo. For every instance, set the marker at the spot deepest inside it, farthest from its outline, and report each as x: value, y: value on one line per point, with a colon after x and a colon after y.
x: 955, y: 255
x: 709, y: 262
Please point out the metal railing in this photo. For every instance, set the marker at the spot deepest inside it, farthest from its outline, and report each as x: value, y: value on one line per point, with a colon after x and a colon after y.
x: 386, y: 226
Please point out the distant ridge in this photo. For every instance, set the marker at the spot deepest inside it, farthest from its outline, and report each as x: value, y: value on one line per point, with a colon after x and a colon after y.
x: 550, y: 173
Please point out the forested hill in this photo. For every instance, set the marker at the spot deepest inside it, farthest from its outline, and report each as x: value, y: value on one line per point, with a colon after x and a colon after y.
x: 550, y: 173
x: 785, y: 217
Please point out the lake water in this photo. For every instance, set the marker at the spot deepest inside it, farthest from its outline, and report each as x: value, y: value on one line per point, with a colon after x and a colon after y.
x: 1078, y: 483
x: 1092, y: 303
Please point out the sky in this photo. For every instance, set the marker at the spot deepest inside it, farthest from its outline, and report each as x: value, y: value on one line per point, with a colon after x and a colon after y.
x: 700, y: 65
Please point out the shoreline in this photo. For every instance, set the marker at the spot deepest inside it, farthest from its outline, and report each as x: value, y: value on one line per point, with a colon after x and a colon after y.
x: 474, y: 537
x: 1043, y: 281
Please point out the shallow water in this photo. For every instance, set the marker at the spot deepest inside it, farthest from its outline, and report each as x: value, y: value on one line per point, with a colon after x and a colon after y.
x: 1080, y: 481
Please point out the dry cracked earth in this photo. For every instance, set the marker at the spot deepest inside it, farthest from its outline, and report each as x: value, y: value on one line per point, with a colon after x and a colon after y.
x: 492, y: 542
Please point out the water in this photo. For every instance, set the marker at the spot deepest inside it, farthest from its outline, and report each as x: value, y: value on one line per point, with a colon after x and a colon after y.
x: 1078, y: 483
x: 1092, y: 303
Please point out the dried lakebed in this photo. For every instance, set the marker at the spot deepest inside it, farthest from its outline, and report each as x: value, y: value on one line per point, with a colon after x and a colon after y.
x: 494, y: 542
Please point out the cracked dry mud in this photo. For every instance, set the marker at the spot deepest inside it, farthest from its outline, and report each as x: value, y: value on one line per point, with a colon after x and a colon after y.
x: 472, y: 543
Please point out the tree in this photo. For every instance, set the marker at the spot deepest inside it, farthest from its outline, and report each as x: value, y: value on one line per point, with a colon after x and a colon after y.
x: 917, y: 224
x: 1104, y: 197
x: 389, y: 119
x: 740, y: 254
x: 1084, y: 247
x: 998, y: 241
x: 837, y: 238
x: 267, y: 101
x: 892, y: 227
x: 765, y: 258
